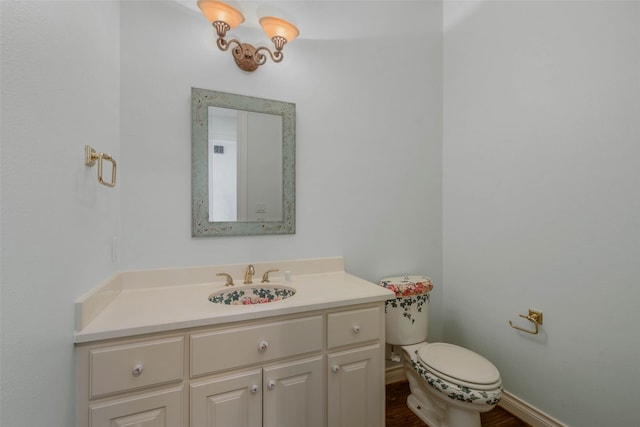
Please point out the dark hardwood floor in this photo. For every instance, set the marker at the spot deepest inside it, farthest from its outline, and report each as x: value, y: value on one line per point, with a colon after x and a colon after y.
x: 399, y: 415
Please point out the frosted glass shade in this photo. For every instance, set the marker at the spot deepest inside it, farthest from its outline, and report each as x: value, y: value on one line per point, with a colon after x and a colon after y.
x: 219, y: 11
x: 279, y: 27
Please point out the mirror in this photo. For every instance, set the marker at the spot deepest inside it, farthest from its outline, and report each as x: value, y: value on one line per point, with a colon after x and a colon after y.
x: 242, y: 165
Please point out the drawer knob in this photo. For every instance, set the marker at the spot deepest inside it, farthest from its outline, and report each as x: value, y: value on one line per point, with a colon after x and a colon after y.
x: 356, y: 329
x: 335, y: 368
x: 263, y: 346
x: 137, y: 369
x: 271, y: 385
x: 254, y: 388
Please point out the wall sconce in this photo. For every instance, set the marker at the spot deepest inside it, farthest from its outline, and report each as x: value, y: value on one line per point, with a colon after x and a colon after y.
x: 224, y: 17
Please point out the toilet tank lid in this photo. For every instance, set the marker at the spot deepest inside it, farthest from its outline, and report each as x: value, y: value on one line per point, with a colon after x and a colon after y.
x: 406, y: 285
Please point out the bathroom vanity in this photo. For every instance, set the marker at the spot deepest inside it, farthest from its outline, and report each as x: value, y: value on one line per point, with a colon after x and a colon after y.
x: 151, y: 349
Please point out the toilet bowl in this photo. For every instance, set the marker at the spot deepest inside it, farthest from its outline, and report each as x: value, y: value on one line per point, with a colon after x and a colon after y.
x: 450, y: 385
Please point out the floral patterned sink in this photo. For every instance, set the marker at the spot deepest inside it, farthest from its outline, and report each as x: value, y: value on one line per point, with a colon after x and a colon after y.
x: 247, y: 295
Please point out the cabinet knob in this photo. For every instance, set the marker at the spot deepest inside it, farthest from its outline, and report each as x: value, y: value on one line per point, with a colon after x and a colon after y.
x: 356, y: 329
x: 335, y: 368
x: 254, y: 388
x: 271, y: 385
x: 137, y: 369
x: 263, y: 346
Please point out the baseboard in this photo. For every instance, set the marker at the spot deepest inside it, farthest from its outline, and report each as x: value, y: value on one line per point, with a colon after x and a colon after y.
x: 527, y: 413
x: 510, y: 403
x: 393, y: 374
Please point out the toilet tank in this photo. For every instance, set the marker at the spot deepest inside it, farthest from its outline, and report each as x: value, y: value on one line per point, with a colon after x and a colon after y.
x: 407, y: 316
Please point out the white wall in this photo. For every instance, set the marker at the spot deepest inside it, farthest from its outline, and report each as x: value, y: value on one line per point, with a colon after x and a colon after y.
x: 368, y: 178
x: 60, y: 85
x: 368, y: 162
x: 541, y: 205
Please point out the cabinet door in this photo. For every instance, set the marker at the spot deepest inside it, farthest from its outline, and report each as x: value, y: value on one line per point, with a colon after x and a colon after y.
x: 228, y: 401
x: 158, y: 409
x: 293, y: 394
x: 355, y: 388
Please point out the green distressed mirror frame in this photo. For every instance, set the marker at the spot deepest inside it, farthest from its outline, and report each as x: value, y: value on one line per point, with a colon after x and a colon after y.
x: 201, y: 100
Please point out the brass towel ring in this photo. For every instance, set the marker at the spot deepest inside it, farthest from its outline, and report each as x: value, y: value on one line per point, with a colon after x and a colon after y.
x: 534, y: 317
x: 90, y: 157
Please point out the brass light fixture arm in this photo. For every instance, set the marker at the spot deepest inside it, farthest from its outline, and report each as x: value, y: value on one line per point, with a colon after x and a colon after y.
x: 244, y: 54
x: 534, y: 317
x: 224, y: 44
x: 247, y: 56
x: 276, y: 56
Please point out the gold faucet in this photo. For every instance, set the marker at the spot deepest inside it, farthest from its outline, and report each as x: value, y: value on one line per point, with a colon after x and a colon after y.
x: 229, y: 279
x: 248, y: 274
x: 265, y: 276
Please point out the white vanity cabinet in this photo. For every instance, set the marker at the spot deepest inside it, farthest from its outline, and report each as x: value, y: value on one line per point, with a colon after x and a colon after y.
x: 322, y: 368
x: 283, y: 394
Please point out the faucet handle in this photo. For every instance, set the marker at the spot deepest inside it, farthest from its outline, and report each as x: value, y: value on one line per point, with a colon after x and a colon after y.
x: 229, y: 279
x: 265, y: 276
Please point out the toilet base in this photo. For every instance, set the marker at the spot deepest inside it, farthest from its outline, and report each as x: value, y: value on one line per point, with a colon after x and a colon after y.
x: 434, y: 407
x: 429, y: 415
x: 436, y: 417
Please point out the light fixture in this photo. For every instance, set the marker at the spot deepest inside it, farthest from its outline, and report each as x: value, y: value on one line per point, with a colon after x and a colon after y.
x: 224, y: 18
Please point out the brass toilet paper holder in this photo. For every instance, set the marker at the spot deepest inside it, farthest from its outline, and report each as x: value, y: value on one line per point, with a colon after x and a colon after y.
x: 534, y: 317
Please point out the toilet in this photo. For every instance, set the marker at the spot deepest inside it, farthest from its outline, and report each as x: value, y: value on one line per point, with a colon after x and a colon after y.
x: 450, y: 385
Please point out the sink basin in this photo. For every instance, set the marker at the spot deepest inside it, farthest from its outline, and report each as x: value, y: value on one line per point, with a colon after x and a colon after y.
x: 247, y: 295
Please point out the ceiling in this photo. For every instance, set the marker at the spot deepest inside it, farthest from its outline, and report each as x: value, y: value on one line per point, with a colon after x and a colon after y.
x: 336, y: 19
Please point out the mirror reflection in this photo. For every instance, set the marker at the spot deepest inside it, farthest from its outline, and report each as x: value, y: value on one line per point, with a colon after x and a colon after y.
x: 243, y: 165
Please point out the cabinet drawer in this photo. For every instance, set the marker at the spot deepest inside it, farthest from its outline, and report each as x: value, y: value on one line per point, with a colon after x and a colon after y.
x: 354, y: 326
x: 135, y: 365
x: 229, y: 348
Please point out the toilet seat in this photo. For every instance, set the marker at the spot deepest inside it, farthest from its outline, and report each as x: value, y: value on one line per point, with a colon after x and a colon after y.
x: 458, y: 392
x: 459, y: 365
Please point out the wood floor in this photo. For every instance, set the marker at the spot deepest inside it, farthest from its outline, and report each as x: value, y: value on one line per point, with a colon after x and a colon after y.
x: 399, y: 415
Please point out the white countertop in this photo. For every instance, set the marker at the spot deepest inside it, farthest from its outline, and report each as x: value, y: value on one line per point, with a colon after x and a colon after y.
x: 163, y: 300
